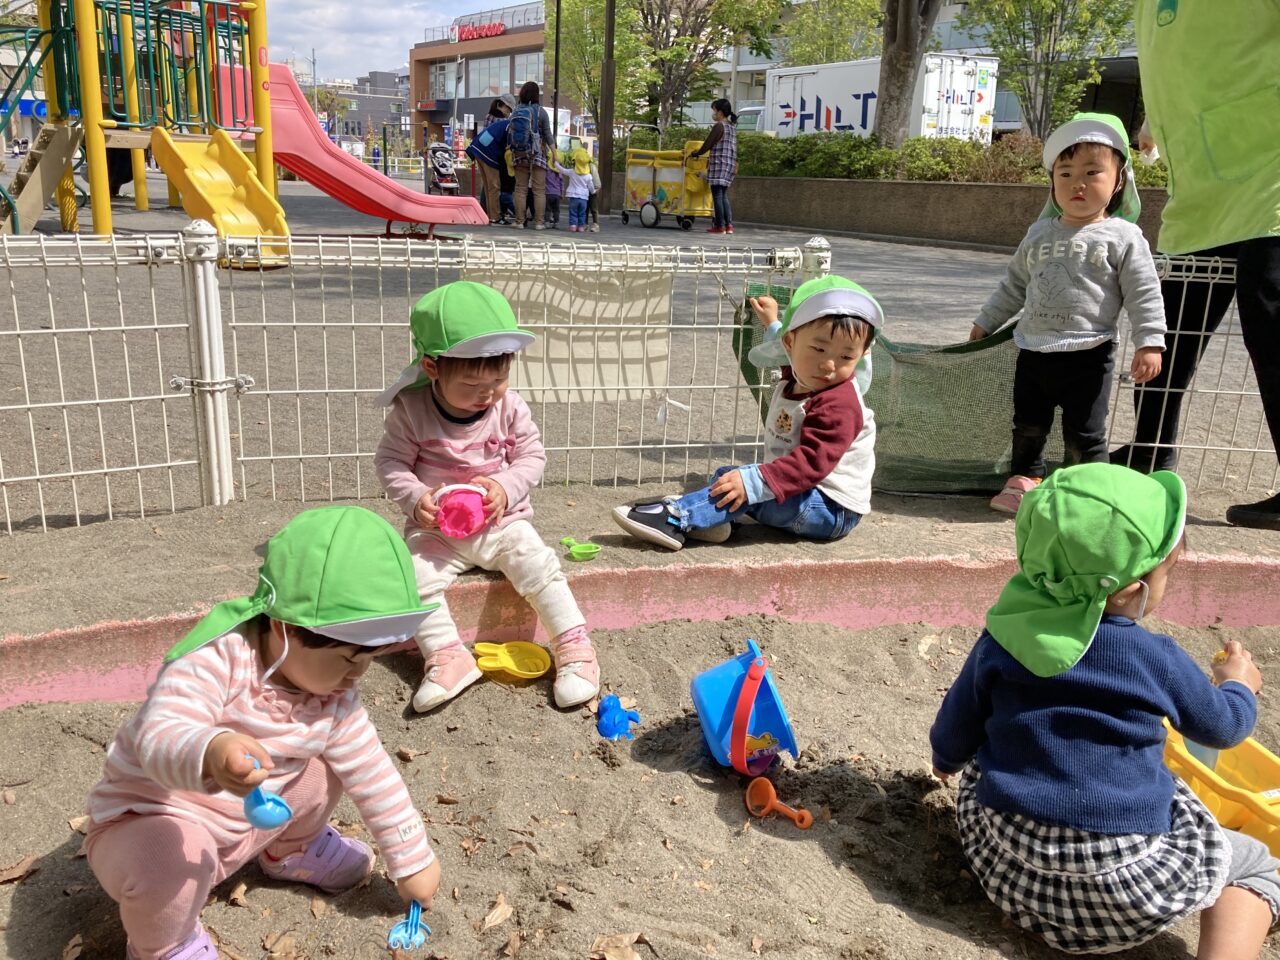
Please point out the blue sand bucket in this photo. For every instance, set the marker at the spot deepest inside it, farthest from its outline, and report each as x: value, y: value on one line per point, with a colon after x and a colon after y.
x: 741, y: 713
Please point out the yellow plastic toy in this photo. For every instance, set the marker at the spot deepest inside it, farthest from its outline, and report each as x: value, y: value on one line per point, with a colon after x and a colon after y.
x: 519, y: 658
x: 1242, y: 791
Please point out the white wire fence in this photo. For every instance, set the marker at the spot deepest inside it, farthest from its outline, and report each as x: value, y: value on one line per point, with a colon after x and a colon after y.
x: 140, y: 375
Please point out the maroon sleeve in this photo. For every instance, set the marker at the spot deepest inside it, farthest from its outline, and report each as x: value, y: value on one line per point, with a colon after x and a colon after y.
x: 832, y: 421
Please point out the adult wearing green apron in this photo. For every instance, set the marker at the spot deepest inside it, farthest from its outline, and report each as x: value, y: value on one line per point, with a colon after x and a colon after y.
x: 1211, y: 85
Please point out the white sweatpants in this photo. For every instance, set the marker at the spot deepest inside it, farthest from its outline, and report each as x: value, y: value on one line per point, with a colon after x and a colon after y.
x: 516, y: 551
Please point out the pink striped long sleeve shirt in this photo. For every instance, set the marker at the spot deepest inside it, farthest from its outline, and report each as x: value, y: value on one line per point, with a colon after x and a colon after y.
x: 155, y: 764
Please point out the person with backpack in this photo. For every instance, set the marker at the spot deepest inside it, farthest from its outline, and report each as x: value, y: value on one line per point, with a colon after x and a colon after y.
x: 486, y: 150
x: 529, y: 136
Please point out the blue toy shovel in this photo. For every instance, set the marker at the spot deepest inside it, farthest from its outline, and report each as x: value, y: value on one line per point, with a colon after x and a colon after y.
x: 265, y: 810
x: 411, y: 932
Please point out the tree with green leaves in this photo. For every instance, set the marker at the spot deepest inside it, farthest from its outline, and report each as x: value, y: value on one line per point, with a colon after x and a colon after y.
x: 582, y: 54
x: 682, y: 38
x: 829, y: 31
x: 908, y: 26
x: 333, y: 103
x: 1049, y: 49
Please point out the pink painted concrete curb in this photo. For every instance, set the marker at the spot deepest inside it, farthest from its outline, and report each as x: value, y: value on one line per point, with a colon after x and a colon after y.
x: 117, y: 660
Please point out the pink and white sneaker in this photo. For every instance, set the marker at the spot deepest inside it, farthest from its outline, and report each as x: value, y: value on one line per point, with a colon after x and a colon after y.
x: 577, y: 669
x: 198, y: 946
x: 331, y: 862
x: 450, y: 670
x: 1008, y: 499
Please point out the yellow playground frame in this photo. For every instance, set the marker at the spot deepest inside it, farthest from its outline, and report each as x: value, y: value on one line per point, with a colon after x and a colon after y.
x: 186, y: 78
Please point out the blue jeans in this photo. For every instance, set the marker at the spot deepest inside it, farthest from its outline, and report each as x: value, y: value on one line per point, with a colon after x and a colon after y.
x: 720, y: 205
x: 577, y: 211
x: 812, y: 515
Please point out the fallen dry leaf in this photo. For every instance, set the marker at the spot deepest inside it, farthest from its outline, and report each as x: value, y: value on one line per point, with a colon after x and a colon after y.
x: 318, y: 907
x: 457, y: 894
x: 628, y: 703
x: 79, y: 824
x: 702, y: 885
x: 282, y: 946
x: 666, y: 842
x: 408, y: 753
x: 445, y: 800
x: 514, y: 943
x: 20, y: 870
x: 9, y: 797
x: 73, y: 949
x: 239, y: 895
x: 756, y: 944
x: 500, y: 912
x: 618, y: 946
x: 521, y: 846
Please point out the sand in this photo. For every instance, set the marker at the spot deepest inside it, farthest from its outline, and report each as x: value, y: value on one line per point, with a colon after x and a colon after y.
x: 583, y: 838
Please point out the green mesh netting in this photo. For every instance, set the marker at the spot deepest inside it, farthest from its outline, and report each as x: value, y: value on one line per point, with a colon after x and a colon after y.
x: 943, y: 414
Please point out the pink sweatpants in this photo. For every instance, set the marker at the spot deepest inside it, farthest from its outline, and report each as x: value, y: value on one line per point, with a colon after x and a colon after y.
x: 160, y: 869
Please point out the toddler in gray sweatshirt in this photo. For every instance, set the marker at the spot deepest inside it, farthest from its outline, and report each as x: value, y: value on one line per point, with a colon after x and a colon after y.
x: 1077, y: 267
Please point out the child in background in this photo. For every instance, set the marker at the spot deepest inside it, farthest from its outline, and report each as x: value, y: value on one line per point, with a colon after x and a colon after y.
x: 593, y: 201
x: 819, y: 434
x: 555, y: 190
x: 272, y: 678
x: 579, y: 188
x: 453, y: 420
x: 1078, y: 265
x: 1067, y: 814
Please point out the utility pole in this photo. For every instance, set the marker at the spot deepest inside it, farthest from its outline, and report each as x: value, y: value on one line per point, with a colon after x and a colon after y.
x: 555, y: 85
x: 315, y: 97
x: 604, y: 122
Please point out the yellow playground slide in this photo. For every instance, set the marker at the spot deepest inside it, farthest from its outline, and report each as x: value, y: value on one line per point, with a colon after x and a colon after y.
x: 218, y: 183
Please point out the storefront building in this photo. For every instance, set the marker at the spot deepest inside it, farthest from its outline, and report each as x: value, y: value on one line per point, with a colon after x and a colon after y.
x: 458, y: 70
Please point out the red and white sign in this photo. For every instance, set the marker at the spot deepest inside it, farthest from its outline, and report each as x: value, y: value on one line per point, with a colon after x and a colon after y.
x: 477, y: 32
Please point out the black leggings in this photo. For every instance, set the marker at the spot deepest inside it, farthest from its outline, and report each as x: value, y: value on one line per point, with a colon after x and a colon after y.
x: 1078, y: 381
x: 1193, y: 310
x: 592, y: 214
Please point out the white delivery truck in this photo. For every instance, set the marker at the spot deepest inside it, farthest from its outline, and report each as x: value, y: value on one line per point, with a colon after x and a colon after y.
x: 955, y: 96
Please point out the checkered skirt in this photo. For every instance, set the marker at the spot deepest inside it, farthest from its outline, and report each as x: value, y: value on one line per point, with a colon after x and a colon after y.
x: 1089, y: 892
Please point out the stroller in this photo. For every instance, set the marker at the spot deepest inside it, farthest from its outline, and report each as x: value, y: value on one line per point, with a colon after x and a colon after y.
x: 443, y: 179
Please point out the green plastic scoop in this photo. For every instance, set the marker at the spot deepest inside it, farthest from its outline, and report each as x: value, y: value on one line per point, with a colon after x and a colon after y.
x: 581, y: 551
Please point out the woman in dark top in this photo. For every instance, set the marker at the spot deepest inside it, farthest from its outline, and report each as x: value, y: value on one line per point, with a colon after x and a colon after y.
x: 722, y: 144
x: 530, y: 156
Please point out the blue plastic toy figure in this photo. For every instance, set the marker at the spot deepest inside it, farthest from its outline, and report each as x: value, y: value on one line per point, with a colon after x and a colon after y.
x: 411, y: 932
x: 612, y: 721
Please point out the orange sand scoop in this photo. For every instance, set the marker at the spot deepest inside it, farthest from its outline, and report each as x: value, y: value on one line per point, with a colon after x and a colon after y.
x: 1220, y: 657
x: 762, y: 800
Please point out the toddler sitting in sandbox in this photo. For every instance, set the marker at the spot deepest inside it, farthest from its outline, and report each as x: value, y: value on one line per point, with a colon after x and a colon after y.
x: 820, y: 435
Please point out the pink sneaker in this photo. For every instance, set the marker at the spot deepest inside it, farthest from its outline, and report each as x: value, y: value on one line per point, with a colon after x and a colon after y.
x: 577, y: 669
x: 198, y: 946
x: 331, y: 862
x: 1008, y: 499
x: 450, y: 670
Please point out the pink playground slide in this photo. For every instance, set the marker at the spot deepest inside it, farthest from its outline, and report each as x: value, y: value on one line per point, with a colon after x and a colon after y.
x: 301, y: 147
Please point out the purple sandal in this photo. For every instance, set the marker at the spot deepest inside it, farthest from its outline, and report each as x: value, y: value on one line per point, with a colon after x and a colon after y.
x: 199, y: 946
x: 331, y: 862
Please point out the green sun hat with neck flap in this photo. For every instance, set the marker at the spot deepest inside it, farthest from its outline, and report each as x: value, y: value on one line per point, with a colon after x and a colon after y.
x: 461, y: 319
x: 829, y: 296
x: 1082, y: 534
x: 1104, y: 128
x: 342, y: 572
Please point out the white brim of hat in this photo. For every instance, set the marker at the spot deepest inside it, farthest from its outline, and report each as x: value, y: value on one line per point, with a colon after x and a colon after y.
x: 1082, y: 131
x: 491, y: 344
x: 377, y: 631
x: 837, y: 302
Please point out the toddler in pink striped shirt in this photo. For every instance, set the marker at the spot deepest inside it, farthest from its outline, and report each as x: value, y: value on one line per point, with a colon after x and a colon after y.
x: 261, y: 693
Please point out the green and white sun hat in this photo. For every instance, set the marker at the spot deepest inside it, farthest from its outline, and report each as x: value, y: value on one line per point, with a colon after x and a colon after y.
x: 828, y: 296
x: 342, y: 572
x: 1084, y: 533
x: 461, y: 319
x: 1094, y: 128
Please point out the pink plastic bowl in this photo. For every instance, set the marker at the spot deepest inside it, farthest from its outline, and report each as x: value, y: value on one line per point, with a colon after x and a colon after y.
x: 461, y: 512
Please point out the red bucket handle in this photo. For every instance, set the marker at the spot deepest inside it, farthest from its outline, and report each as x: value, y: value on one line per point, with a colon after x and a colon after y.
x: 742, y: 716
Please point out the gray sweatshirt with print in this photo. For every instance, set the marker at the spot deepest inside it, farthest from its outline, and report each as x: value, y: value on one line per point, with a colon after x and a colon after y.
x: 1070, y: 283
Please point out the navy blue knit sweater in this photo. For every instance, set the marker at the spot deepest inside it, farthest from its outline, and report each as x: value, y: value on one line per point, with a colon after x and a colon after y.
x: 1084, y: 749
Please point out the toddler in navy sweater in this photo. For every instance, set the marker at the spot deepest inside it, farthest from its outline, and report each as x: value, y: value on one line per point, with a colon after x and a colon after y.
x: 1068, y: 816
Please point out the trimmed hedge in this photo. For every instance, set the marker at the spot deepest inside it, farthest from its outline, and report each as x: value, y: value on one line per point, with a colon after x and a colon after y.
x: 1014, y: 158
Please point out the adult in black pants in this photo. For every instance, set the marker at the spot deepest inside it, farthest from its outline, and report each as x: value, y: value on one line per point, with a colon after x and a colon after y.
x: 1219, y: 130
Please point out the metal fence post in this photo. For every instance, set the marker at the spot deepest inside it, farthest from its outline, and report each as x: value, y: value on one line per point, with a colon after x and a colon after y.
x: 815, y: 260
x: 200, y: 251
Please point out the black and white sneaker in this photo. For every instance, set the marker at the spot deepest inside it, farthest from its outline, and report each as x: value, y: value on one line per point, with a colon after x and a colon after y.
x: 1263, y: 515
x: 651, y: 522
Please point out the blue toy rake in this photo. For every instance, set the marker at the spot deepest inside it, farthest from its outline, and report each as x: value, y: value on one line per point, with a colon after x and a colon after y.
x: 411, y: 932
